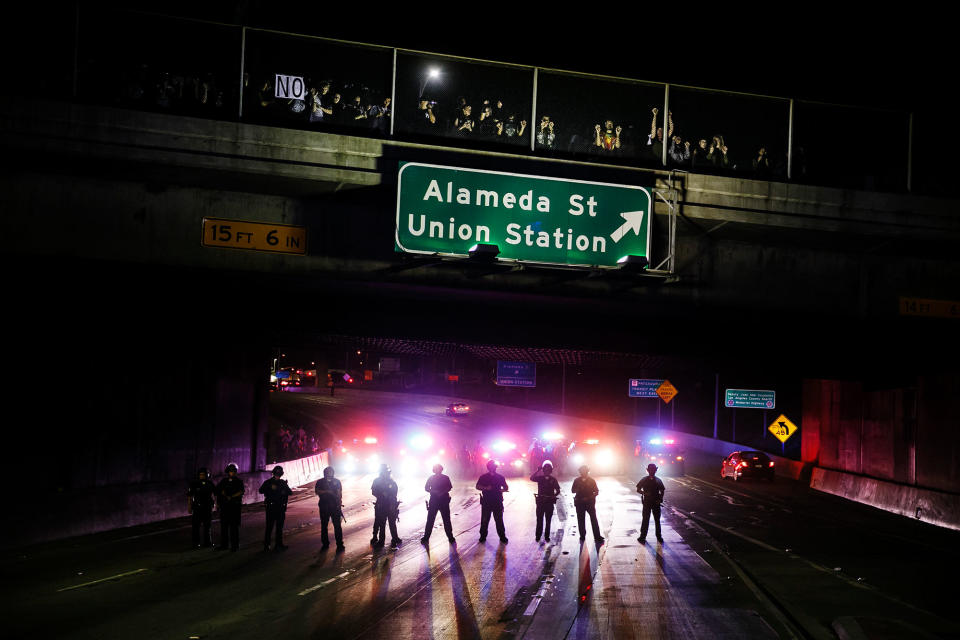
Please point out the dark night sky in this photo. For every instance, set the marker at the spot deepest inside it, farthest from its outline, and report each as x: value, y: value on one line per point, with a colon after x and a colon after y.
x: 897, y: 59
x: 893, y: 59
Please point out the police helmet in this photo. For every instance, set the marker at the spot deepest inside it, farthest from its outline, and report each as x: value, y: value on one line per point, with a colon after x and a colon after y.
x: 231, y: 467
x: 328, y: 472
x: 384, y: 468
x: 547, y: 466
x: 278, y: 471
x: 491, y: 465
x: 204, y: 471
x: 584, y: 469
x: 651, y: 467
x: 438, y: 468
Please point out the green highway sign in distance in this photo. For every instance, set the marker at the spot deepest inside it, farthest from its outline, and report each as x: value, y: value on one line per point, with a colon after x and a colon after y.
x: 750, y: 399
x: 447, y: 210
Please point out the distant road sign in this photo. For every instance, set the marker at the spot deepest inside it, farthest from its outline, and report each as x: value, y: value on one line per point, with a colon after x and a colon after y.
x: 643, y: 388
x: 782, y: 428
x: 750, y: 399
x: 666, y: 391
x: 516, y: 374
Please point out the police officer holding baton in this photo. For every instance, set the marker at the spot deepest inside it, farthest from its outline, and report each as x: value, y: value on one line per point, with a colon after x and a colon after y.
x: 385, y: 509
x: 229, y: 501
x: 330, y: 494
x: 275, y: 493
x: 438, y: 486
x: 491, y: 486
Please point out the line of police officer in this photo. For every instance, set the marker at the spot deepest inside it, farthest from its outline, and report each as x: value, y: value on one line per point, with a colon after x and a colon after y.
x: 229, y: 496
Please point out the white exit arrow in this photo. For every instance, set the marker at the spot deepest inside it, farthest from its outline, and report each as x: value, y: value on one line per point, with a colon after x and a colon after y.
x: 634, y: 219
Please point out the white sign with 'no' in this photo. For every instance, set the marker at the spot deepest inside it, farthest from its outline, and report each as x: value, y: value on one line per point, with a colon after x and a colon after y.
x: 289, y: 87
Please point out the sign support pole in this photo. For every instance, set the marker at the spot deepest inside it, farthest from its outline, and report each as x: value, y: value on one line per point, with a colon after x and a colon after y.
x: 533, y: 111
x: 393, y: 91
x: 790, y: 143
x: 734, y: 438
x: 563, y: 388
x: 716, y: 403
x: 763, y: 426
x: 243, y: 61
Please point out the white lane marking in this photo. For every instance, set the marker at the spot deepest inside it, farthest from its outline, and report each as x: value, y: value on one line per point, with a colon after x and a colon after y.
x: 116, y: 577
x: 535, y: 601
x: 323, y: 584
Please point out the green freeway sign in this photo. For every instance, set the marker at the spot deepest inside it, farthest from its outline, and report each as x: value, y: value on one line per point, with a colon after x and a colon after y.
x: 750, y: 399
x: 447, y: 210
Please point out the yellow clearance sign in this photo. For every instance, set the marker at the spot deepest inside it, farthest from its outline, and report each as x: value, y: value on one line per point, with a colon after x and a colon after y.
x: 782, y: 428
x: 254, y: 236
x: 666, y: 391
x: 929, y: 308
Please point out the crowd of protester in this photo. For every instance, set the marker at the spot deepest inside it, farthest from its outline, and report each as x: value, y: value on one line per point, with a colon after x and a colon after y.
x: 351, y: 104
x: 325, y: 102
x: 708, y: 154
x: 491, y: 120
x: 295, y: 443
x: 184, y: 92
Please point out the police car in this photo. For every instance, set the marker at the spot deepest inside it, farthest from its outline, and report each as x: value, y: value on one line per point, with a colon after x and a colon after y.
x: 663, y: 452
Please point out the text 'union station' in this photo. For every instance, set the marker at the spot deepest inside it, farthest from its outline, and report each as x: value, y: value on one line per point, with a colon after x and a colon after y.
x: 446, y: 210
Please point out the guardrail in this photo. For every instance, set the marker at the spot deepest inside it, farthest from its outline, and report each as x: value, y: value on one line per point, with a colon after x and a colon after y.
x: 301, y: 471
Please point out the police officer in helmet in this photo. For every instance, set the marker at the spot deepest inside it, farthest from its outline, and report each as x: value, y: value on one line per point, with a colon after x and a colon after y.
x: 201, y: 494
x: 330, y: 494
x: 438, y: 486
x: 229, y: 500
x: 275, y: 493
x: 585, y: 493
x: 385, y: 509
x: 491, y: 486
x: 547, y: 491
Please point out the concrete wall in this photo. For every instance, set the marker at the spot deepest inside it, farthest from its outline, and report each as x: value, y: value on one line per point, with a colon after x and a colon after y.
x: 105, y: 508
x: 74, y: 513
x: 936, y: 507
x: 907, y: 435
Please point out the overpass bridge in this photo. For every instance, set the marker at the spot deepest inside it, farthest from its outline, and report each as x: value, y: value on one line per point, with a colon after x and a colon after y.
x: 160, y: 342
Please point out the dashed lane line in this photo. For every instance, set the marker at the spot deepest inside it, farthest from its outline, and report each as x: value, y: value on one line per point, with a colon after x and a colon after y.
x: 93, y: 582
x: 324, y: 583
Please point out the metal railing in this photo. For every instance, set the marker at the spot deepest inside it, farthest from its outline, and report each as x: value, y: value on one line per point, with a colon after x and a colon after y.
x: 178, y: 65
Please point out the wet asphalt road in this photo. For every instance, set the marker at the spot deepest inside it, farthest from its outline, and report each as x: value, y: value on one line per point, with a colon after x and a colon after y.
x: 739, y: 560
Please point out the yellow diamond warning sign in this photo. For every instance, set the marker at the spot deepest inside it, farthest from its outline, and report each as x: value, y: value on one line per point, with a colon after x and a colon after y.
x: 782, y: 428
x: 666, y: 391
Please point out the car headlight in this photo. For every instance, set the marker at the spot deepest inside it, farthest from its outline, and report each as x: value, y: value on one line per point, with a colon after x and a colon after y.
x: 604, y: 458
x: 349, y: 466
x: 577, y: 458
x: 518, y: 463
x: 408, y: 467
